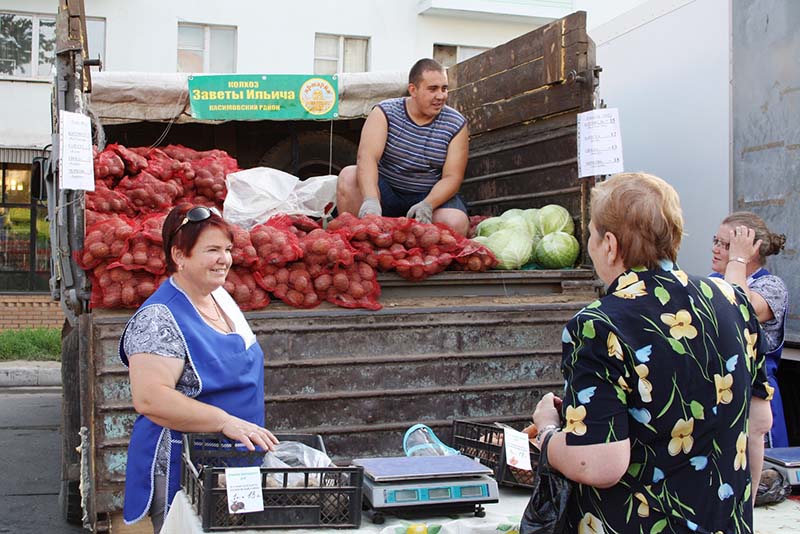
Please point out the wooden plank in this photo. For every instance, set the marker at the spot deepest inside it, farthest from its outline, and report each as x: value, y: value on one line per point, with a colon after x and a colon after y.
x: 502, y: 86
x: 553, y: 52
x: 522, y: 49
x: 537, y: 153
x: 512, y: 136
x: 575, y: 28
x: 548, y: 100
x: 552, y: 178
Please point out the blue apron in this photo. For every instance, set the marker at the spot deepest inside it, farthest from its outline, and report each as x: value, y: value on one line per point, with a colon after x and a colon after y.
x: 231, y: 377
x: 778, y: 435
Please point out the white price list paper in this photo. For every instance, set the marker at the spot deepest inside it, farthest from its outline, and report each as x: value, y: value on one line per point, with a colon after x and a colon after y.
x: 244, y: 489
x: 599, y: 143
x: 76, y: 161
x: 518, y: 452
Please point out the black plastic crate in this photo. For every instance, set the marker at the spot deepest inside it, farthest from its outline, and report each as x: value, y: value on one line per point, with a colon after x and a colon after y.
x: 328, y: 497
x: 484, y: 442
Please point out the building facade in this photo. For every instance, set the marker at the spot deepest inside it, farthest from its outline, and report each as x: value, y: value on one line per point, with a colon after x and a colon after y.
x: 239, y: 36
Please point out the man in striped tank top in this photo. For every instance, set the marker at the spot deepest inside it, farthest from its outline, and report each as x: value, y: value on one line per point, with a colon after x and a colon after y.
x: 411, y: 157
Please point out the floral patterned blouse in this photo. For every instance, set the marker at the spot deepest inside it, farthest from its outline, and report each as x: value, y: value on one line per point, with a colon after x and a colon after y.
x: 670, y: 362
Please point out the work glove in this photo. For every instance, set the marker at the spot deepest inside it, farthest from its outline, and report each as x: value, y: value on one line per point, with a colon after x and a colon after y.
x: 421, y: 211
x: 370, y: 206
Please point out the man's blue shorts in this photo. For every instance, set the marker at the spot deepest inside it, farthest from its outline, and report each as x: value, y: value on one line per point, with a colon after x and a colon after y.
x: 396, y: 203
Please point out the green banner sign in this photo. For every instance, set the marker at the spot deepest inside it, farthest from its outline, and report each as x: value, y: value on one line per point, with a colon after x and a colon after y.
x: 263, y: 96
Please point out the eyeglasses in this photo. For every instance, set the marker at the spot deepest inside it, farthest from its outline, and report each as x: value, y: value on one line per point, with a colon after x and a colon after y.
x: 195, y: 215
x: 717, y: 242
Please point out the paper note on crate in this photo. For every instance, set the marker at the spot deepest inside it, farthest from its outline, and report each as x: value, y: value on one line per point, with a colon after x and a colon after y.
x: 599, y: 143
x: 517, y: 449
x: 244, y: 490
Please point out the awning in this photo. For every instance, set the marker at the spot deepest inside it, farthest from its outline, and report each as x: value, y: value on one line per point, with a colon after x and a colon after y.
x: 10, y: 154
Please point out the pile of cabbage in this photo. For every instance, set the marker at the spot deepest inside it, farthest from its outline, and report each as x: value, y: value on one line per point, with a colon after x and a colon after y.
x: 534, y: 236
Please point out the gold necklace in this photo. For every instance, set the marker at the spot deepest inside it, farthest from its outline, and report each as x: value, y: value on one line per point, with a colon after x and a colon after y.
x: 218, y: 318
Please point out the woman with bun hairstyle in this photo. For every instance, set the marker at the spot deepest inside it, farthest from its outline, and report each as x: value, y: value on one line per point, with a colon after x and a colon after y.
x: 740, y: 251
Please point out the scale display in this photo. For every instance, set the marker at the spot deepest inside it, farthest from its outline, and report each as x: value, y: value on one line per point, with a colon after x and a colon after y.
x: 426, y: 484
x: 786, y: 460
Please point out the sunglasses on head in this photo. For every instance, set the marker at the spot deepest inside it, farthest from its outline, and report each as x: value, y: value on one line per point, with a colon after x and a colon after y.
x: 195, y: 215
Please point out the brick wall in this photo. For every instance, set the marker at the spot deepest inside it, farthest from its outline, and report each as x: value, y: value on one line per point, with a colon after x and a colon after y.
x: 29, y: 310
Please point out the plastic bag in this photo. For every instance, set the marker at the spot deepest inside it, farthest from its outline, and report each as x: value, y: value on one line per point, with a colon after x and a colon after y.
x: 772, y: 488
x: 294, y: 454
x: 420, y: 440
x: 257, y: 194
x: 546, y: 510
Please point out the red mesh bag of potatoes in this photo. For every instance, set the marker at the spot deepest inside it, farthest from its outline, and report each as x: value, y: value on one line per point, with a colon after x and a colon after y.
x: 142, y: 253
x: 419, y: 264
x: 354, y: 286
x: 326, y: 249
x: 275, y: 244
x: 210, y: 172
x: 148, y: 194
x: 105, y: 200
x: 114, y: 287
x: 304, y: 223
x: 94, y: 217
x: 293, y: 284
x: 181, y: 153
x: 243, y: 252
x: 105, y: 240
x: 134, y: 163
x: 245, y: 291
x: 108, y: 166
x: 436, y: 235
x: 474, y: 221
x: 473, y: 256
x: 159, y: 164
x: 152, y: 227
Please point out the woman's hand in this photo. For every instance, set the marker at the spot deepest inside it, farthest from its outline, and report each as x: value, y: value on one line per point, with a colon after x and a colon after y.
x: 743, y: 244
x: 548, y: 411
x: 248, y: 434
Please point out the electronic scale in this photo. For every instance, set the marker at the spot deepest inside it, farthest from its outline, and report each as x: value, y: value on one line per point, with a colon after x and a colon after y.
x: 786, y: 460
x: 424, y: 485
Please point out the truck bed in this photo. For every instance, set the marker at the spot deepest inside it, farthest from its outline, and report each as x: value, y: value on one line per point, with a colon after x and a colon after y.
x: 482, y: 346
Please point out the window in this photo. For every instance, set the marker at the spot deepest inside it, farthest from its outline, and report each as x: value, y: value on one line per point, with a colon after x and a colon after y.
x: 28, y: 44
x: 204, y: 48
x: 337, y: 53
x: 24, y: 233
x: 449, y: 55
x: 96, y: 37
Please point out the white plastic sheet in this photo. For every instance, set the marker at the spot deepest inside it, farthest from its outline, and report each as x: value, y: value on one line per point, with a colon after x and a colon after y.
x: 255, y: 195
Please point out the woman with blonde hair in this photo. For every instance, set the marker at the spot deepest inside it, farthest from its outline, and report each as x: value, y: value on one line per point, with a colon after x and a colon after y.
x: 664, y: 378
x: 739, y: 254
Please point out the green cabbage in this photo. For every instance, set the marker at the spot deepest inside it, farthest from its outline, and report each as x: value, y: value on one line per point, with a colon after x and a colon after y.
x: 489, y: 226
x: 532, y: 217
x: 555, y: 218
x: 513, y: 212
x: 511, y: 247
x: 557, y: 250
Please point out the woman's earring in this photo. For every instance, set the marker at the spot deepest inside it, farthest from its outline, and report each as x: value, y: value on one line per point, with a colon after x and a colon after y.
x: 180, y: 267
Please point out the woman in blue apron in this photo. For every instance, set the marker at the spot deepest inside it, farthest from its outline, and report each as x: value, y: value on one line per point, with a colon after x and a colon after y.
x: 194, y: 363
x: 740, y: 251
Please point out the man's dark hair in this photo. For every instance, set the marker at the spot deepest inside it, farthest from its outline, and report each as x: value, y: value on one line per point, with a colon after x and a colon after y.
x: 415, y: 74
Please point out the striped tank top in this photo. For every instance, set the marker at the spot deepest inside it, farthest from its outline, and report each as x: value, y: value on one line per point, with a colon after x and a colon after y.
x: 414, y: 155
